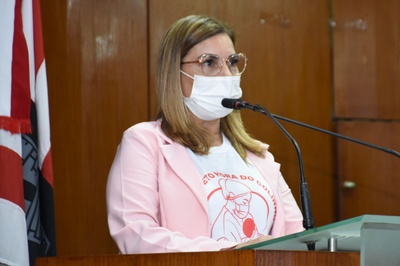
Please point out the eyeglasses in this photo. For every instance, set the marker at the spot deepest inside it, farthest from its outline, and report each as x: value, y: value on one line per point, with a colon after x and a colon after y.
x: 212, y: 64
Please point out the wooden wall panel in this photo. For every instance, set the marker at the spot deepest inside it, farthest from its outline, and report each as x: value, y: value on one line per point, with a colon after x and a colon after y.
x: 367, y: 59
x: 96, y: 53
x: 288, y: 72
x: 366, y: 41
x: 375, y: 174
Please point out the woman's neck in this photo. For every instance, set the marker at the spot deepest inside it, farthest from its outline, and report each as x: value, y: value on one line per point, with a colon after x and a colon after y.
x: 214, y: 128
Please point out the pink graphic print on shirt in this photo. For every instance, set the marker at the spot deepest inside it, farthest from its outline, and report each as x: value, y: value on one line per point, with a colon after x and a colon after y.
x: 235, y: 221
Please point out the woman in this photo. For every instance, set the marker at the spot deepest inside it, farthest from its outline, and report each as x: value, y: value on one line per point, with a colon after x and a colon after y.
x: 194, y: 180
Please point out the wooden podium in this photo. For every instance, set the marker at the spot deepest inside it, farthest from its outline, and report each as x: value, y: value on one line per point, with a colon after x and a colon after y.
x: 221, y: 258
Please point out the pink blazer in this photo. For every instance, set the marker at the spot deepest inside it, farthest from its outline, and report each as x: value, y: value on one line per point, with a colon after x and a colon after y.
x: 156, y: 201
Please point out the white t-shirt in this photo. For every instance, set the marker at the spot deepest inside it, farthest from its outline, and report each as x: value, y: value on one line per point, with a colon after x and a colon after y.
x: 241, y: 204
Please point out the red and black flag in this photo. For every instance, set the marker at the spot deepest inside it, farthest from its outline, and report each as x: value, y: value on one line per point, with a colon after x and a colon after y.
x: 27, y: 226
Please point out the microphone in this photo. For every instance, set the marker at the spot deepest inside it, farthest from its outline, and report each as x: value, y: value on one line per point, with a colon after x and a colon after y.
x: 233, y: 103
x: 308, y: 219
x: 239, y: 104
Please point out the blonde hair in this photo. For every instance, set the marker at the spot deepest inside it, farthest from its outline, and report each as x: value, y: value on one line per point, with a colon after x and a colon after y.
x: 176, y: 123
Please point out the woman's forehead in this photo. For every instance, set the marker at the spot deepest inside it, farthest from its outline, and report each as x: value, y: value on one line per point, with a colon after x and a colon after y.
x: 220, y: 44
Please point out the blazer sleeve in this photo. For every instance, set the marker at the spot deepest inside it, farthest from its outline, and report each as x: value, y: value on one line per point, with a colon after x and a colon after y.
x: 293, y: 215
x: 133, y: 200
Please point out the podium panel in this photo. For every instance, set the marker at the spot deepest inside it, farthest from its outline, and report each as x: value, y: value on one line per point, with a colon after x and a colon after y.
x: 380, y: 244
x: 346, y: 233
x: 222, y: 258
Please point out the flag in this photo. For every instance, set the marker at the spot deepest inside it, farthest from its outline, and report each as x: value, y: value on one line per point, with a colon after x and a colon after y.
x: 27, y: 226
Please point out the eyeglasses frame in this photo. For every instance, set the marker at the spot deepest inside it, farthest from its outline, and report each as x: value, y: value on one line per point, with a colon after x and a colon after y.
x: 226, y: 61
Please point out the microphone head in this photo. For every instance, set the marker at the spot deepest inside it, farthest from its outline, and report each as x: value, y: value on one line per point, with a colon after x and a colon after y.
x: 232, y: 103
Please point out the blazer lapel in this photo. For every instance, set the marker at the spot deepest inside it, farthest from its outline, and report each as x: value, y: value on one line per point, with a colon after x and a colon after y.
x: 178, y: 158
x: 268, y: 168
x: 271, y: 171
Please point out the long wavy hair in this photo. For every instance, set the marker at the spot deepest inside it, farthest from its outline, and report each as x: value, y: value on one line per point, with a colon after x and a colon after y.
x: 176, y: 123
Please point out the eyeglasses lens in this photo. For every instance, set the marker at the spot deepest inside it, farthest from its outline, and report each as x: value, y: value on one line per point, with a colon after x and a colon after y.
x: 212, y: 65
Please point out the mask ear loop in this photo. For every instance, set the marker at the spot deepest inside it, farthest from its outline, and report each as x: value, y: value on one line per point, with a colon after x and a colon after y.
x: 186, y: 74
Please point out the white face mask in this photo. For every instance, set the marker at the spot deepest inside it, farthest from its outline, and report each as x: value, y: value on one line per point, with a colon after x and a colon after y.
x: 207, y: 94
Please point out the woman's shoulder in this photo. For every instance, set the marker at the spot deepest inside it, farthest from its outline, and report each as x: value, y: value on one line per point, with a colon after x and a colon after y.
x: 147, y: 126
x: 148, y: 130
x: 267, y: 155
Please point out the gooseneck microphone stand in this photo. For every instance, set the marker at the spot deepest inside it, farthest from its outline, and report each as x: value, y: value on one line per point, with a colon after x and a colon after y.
x: 390, y: 151
x: 308, y: 219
